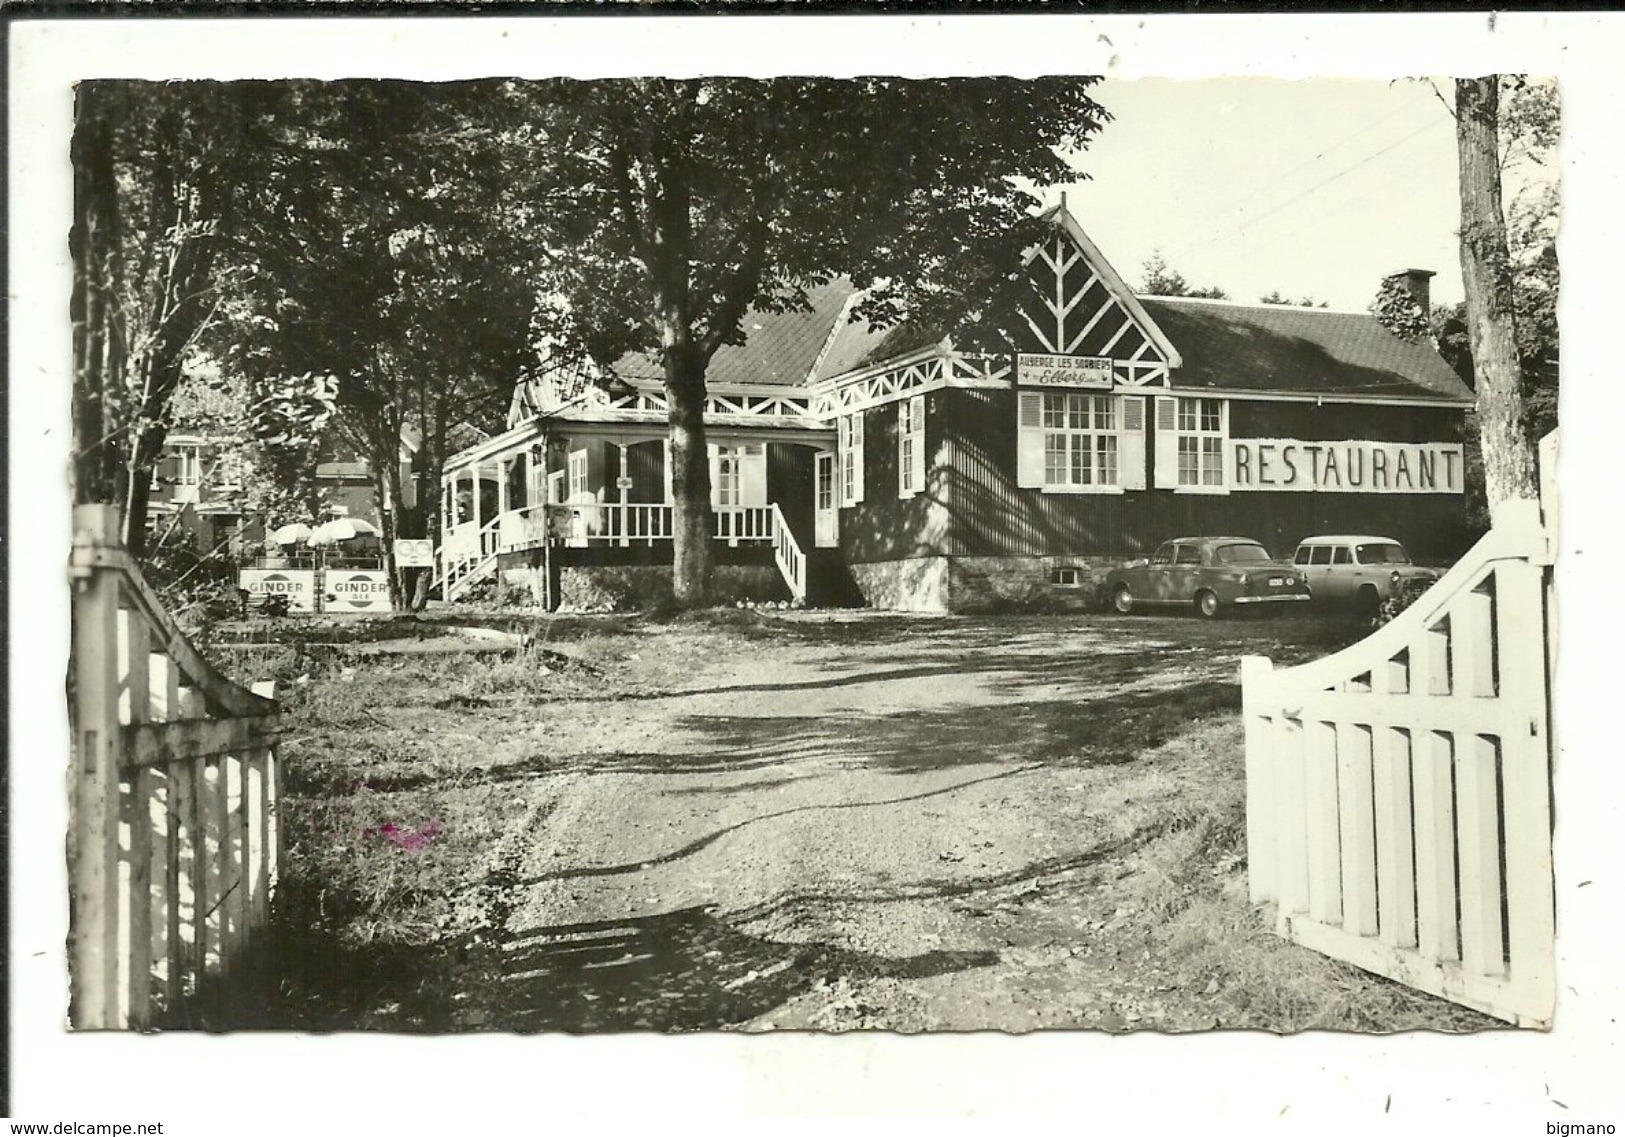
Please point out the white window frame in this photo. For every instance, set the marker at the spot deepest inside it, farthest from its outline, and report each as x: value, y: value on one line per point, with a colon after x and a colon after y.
x: 1207, y: 443
x: 576, y: 480
x: 910, y: 446
x: 1080, y: 421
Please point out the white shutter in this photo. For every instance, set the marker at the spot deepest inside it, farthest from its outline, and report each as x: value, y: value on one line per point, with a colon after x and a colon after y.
x: 1030, y: 440
x: 916, y: 418
x: 1167, y: 459
x: 753, y: 475
x: 1131, y: 442
x: 711, y: 457
x: 665, y: 459
x: 857, y: 457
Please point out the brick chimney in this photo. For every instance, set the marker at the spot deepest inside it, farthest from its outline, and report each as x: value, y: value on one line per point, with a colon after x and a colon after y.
x: 1416, y: 282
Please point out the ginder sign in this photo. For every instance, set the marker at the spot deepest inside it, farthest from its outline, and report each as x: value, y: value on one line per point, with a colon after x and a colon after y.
x: 298, y: 585
x: 1063, y: 371
x: 357, y: 591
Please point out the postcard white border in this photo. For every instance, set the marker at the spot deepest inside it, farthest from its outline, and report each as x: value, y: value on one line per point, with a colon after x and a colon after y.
x: 1094, y: 1083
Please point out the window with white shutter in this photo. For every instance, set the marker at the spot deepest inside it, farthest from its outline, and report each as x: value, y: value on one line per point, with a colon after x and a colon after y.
x: 910, y: 446
x: 1068, y: 442
x: 1191, y: 437
x: 850, y: 437
x: 1131, y: 442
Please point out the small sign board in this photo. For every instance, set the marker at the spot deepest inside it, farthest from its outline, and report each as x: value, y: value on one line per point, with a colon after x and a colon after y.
x: 298, y: 585
x: 414, y: 553
x: 623, y: 482
x: 356, y: 590
x: 1063, y: 371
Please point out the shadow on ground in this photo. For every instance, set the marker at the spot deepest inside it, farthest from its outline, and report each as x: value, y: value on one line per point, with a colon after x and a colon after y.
x: 677, y: 971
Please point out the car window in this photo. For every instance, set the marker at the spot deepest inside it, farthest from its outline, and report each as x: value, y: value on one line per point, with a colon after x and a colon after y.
x: 1340, y: 555
x: 1386, y: 553
x: 1301, y: 557
x: 1322, y: 555
x: 1242, y: 554
x: 1164, y: 554
x: 1189, y: 555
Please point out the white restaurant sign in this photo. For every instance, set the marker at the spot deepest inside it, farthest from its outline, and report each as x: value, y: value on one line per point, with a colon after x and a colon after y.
x: 1063, y: 371
x: 1277, y: 464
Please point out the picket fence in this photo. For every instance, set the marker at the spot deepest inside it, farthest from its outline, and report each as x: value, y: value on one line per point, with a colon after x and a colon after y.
x: 174, y: 838
x: 1399, y: 792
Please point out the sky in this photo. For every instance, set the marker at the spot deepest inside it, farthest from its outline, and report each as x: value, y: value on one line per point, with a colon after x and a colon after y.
x: 1314, y: 187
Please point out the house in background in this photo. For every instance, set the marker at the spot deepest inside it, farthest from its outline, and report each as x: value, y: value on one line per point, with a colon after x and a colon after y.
x: 850, y: 465
x: 197, y: 489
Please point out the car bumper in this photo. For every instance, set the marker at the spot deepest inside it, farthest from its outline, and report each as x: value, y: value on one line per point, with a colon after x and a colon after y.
x: 1282, y: 598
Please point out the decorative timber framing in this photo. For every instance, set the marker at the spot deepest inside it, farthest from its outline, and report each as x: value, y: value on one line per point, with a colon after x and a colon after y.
x: 1080, y: 306
x: 928, y: 370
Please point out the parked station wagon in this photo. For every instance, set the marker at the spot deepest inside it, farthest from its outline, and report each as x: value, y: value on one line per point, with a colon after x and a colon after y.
x: 1359, y: 571
x: 1209, y: 573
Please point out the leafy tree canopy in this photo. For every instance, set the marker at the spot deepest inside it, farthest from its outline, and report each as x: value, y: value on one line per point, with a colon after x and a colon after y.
x: 1160, y: 279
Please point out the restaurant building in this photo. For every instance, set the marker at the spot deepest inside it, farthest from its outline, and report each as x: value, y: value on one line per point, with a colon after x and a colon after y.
x: 887, y: 467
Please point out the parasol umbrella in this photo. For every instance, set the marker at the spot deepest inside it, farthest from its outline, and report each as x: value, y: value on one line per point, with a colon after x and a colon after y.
x: 342, y: 529
x: 290, y: 534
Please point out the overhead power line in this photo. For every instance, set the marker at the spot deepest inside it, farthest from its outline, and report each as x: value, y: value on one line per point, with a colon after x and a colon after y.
x: 1322, y: 184
x: 1202, y: 222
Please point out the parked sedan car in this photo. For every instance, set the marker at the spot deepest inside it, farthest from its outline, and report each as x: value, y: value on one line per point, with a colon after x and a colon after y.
x: 1210, y: 573
x: 1360, y: 572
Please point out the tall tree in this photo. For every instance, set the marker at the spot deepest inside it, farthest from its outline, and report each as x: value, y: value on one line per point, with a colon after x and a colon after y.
x: 1486, y: 269
x: 156, y: 169
x: 670, y: 208
x: 380, y: 249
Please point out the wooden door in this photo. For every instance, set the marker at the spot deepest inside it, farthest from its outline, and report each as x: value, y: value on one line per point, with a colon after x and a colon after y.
x: 826, y: 517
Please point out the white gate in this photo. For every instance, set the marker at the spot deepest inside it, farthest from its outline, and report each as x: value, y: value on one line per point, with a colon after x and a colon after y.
x: 1399, y: 792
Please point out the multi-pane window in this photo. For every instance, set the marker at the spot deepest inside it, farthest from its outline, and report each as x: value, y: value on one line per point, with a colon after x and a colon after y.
x: 1201, y: 442
x: 578, y: 472
x: 1080, y: 440
x: 910, y: 445
x: 727, y: 477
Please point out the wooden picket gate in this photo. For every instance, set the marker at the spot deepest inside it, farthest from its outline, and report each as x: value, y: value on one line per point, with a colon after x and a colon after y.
x: 1399, y: 791
x: 175, y: 784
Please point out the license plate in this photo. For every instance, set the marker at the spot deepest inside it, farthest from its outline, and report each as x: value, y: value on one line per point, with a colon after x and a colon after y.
x: 1277, y: 582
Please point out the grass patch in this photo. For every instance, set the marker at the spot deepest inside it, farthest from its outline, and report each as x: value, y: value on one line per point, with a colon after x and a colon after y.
x: 1187, y: 889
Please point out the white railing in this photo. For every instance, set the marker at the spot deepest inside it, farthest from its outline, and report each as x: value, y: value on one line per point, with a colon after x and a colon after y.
x: 468, y: 552
x: 736, y: 523
x: 1398, y: 792
x: 176, y: 793
x: 787, y: 553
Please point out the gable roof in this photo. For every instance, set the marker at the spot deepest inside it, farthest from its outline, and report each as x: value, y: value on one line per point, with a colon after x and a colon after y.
x: 1276, y: 347
x: 780, y: 348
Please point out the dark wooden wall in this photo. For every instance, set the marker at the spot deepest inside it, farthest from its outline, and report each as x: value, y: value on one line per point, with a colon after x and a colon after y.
x: 971, y: 440
x: 885, y: 527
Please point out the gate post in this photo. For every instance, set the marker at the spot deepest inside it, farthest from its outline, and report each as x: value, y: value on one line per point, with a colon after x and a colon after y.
x: 94, y: 798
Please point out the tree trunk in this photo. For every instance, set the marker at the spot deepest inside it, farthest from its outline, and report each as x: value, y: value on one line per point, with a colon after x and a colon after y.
x: 93, y: 243
x: 1486, y: 271
x: 691, y: 479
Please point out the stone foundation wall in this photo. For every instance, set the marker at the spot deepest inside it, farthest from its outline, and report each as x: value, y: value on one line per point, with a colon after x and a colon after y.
x: 632, y: 588
x: 985, y: 584
x: 916, y: 585
x: 1027, y: 584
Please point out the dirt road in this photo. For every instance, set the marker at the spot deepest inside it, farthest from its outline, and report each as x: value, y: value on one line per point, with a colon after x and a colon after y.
x: 913, y: 824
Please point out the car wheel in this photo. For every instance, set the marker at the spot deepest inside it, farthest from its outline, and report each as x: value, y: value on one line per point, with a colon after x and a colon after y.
x: 1123, y: 599
x: 1207, y: 604
x: 1368, y: 604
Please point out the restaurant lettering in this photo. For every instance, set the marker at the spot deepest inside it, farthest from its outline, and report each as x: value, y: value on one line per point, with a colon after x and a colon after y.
x: 1063, y: 371
x: 1345, y: 467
